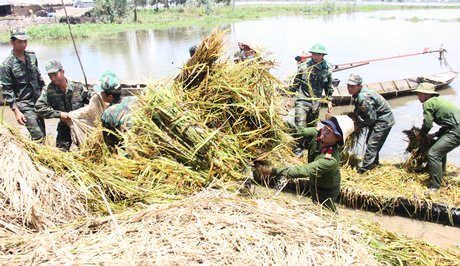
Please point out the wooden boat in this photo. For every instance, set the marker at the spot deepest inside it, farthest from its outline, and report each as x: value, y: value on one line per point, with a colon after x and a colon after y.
x: 396, y: 88
x: 388, y: 89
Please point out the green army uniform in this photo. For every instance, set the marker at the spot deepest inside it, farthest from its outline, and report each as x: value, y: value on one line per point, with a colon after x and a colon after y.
x: 310, y: 81
x: 322, y: 169
x: 22, y: 84
x: 53, y: 101
x: 446, y: 115
x: 374, y: 113
x: 117, y: 117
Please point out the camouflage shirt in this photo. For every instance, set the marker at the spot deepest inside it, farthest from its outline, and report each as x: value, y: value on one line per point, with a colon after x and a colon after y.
x: 22, y: 82
x: 313, y: 77
x: 118, y: 116
x: 373, y: 110
x: 53, y: 100
x: 442, y: 112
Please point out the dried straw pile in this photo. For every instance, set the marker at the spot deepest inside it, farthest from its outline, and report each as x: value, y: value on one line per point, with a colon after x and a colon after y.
x: 210, y: 228
x: 32, y: 197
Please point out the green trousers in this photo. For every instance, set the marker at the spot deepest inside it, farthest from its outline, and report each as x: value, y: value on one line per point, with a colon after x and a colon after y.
x: 35, y: 125
x: 306, y: 113
x: 447, y: 142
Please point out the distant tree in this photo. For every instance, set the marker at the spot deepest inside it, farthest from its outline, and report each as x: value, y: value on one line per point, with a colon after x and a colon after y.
x: 225, y: 2
x: 137, y: 3
x: 111, y: 11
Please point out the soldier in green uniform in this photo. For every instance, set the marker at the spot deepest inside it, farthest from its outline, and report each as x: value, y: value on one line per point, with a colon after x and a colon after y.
x: 22, y: 84
x: 446, y: 115
x: 323, y: 159
x: 117, y: 117
x: 374, y: 113
x: 312, y: 78
x: 59, y: 98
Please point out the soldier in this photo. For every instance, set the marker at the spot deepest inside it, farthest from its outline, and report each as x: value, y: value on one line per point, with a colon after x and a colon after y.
x: 22, y: 84
x: 59, y: 98
x: 323, y: 160
x: 117, y: 117
x: 446, y: 115
x: 312, y: 78
x: 374, y: 113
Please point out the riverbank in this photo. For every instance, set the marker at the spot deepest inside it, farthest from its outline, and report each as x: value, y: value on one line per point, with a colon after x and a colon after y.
x: 148, y: 18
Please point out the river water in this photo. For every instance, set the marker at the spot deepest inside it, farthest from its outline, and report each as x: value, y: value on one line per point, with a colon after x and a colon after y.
x: 154, y: 54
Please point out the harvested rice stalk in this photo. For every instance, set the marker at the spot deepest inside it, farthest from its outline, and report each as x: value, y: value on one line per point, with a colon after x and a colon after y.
x: 385, y: 185
x: 242, y: 99
x: 33, y: 197
x: 201, y: 63
x: 417, y: 150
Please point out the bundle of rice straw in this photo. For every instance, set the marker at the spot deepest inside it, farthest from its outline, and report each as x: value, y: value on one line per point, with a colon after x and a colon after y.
x: 417, y: 149
x: 209, y: 228
x: 32, y: 197
x: 198, y: 66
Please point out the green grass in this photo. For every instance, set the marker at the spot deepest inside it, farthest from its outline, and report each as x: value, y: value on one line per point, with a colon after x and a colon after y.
x: 164, y: 18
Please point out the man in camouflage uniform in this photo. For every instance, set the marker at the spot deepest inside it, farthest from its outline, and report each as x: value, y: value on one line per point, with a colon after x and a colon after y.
x: 374, y: 113
x: 59, y: 98
x: 22, y: 84
x: 446, y: 115
x: 323, y: 167
x: 117, y: 117
x: 312, y: 78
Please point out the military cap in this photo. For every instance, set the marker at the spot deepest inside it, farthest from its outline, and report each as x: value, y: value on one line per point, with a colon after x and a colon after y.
x: 318, y: 48
x: 18, y: 33
x: 427, y: 88
x: 355, y: 80
x: 110, y: 84
x: 53, y: 66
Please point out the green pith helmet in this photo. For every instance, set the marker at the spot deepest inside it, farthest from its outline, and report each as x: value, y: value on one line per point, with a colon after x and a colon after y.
x: 318, y: 48
x: 110, y: 84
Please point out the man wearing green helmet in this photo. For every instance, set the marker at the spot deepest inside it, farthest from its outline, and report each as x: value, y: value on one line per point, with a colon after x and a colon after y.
x: 311, y: 80
x: 117, y: 117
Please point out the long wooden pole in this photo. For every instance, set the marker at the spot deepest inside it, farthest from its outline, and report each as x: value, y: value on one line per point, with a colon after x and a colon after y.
x: 344, y: 66
x: 74, y: 46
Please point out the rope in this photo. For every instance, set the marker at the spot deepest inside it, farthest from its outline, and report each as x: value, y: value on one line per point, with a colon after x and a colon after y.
x: 74, y: 46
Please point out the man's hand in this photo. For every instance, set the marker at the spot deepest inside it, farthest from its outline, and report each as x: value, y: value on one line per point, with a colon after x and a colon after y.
x: 20, y: 118
x: 64, y: 116
x: 330, y: 107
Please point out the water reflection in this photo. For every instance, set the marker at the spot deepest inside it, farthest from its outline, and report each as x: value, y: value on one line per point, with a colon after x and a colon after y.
x: 154, y: 54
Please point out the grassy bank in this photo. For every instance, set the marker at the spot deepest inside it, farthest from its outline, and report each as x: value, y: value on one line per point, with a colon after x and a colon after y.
x: 151, y: 19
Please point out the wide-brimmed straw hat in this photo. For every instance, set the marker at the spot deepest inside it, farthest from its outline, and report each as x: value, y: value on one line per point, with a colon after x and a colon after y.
x: 427, y: 88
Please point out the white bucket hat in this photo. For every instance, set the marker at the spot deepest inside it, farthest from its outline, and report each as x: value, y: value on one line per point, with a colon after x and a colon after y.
x: 341, y: 125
